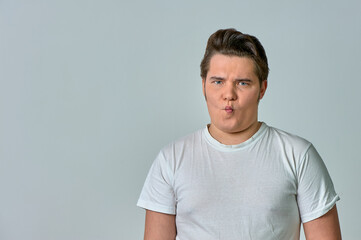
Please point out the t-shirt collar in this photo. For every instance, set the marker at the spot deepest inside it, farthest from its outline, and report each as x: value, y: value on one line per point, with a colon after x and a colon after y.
x: 230, y: 148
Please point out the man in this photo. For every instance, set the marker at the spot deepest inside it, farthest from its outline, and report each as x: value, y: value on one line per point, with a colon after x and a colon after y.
x: 238, y: 178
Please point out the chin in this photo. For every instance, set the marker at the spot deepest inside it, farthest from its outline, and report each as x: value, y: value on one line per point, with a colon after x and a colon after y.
x: 231, y: 129
x: 235, y: 127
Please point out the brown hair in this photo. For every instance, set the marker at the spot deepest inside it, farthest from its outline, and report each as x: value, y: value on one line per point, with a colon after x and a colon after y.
x: 234, y: 43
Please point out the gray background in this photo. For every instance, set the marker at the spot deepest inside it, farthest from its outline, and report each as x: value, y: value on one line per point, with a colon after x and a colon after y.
x: 91, y: 90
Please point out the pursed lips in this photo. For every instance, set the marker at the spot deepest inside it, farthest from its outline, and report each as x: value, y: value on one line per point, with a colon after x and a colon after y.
x: 228, y: 109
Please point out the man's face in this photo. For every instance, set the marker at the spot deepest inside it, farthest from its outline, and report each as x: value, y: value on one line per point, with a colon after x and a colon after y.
x: 232, y: 92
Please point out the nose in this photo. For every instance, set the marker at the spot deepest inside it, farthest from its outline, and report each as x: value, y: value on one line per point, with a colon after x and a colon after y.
x: 229, y: 93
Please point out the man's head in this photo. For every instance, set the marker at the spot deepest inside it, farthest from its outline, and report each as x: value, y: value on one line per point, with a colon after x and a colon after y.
x: 230, y: 42
x: 234, y: 76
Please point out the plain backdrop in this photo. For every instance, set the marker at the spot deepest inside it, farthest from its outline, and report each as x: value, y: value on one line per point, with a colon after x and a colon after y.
x: 90, y: 91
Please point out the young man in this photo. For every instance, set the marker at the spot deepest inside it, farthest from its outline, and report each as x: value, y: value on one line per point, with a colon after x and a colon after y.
x: 238, y: 178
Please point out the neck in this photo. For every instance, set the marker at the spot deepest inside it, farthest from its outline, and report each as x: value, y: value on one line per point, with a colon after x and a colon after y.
x: 234, y: 138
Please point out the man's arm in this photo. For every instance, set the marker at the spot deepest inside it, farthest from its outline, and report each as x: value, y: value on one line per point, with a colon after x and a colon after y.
x: 159, y: 226
x: 326, y: 227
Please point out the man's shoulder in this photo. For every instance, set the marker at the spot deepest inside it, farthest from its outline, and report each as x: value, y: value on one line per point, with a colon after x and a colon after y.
x: 173, y: 153
x: 287, y: 139
x: 186, y: 140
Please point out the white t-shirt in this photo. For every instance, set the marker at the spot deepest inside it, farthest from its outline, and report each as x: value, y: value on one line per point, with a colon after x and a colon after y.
x: 259, y: 189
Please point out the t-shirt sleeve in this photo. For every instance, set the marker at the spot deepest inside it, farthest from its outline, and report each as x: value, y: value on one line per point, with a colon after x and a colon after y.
x: 157, y: 193
x: 316, y: 194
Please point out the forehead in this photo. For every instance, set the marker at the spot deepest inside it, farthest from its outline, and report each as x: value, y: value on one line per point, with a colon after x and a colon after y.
x: 232, y: 65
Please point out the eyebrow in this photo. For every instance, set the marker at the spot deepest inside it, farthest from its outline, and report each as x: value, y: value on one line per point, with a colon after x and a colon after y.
x: 237, y: 79
x: 243, y: 79
x: 216, y: 78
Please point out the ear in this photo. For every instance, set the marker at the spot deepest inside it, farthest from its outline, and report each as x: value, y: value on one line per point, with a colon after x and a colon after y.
x: 263, y: 89
x: 204, y: 87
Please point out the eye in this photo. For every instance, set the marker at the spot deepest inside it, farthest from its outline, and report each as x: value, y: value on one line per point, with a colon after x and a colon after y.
x: 217, y: 82
x: 243, y: 83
